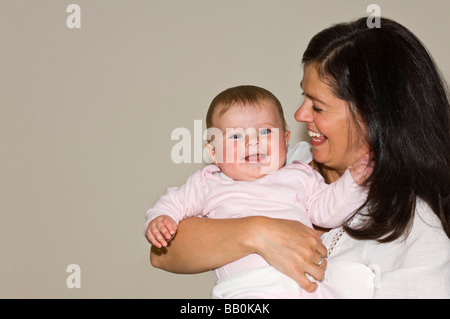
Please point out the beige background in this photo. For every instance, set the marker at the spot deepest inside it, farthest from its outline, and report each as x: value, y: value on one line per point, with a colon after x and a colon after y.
x: 86, y: 117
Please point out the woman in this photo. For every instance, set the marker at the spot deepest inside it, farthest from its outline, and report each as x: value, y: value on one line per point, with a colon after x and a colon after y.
x: 365, y: 89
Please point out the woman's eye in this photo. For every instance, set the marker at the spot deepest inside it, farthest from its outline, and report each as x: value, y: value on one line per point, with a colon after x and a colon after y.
x: 316, y: 109
x: 264, y: 131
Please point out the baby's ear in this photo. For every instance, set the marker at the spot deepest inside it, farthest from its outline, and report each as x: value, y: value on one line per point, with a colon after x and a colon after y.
x: 211, y: 152
x: 287, y: 136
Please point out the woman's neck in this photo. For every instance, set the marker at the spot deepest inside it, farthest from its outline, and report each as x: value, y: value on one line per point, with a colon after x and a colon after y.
x: 330, y: 175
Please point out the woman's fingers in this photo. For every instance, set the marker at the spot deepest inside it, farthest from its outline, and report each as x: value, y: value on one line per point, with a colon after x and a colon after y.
x: 294, y: 249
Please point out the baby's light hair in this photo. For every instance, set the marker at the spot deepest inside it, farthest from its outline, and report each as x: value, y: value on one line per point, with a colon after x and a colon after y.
x: 247, y: 95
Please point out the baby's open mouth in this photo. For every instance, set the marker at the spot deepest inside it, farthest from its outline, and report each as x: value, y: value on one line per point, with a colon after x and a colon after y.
x: 255, y: 158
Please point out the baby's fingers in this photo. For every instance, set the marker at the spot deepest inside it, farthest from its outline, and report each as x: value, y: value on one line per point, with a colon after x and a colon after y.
x: 161, y: 230
x: 155, y: 237
x: 171, y: 227
x: 362, y: 169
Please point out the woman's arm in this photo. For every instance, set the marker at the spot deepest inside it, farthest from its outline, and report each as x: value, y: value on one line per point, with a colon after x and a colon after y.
x: 202, y: 244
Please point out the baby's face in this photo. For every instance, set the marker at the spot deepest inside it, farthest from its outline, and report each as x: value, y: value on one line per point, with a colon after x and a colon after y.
x: 253, y: 142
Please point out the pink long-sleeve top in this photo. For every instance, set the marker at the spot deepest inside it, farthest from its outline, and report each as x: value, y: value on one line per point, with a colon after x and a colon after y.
x: 294, y: 192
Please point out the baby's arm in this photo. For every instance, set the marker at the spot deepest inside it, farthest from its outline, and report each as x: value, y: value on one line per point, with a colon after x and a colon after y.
x: 176, y: 204
x: 161, y: 230
x: 331, y: 205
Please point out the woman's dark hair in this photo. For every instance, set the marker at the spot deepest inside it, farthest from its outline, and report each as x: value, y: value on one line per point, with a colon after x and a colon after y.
x: 391, y: 82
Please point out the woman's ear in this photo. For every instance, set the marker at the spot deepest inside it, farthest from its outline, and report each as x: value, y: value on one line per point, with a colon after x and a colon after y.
x: 211, y: 152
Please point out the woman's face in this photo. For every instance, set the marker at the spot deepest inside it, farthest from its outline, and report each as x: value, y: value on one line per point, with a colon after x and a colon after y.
x: 335, y: 140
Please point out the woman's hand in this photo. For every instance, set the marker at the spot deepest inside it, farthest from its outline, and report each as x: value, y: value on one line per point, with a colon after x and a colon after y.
x: 291, y: 247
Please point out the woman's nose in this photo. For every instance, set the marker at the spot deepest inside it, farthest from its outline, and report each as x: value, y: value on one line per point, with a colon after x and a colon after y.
x: 304, y: 113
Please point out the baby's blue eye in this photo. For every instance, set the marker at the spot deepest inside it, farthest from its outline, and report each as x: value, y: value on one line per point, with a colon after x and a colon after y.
x: 235, y: 136
x: 264, y: 131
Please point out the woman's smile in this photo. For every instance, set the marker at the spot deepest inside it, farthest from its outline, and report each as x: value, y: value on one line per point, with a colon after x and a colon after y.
x: 316, y: 138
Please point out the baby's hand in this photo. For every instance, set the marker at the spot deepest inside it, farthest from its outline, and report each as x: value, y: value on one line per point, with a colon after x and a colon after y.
x: 161, y: 230
x: 362, y: 169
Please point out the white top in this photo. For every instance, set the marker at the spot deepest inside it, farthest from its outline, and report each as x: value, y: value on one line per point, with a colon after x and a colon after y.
x: 418, y: 267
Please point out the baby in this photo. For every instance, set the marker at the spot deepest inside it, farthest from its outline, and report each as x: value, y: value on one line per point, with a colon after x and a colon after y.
x: 249, y: 177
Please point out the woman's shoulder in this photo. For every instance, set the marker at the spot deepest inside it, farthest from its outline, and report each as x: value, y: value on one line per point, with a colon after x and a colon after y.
x: 426, y: 223
x: 299, y: 152
x: 426, y: 237
x: 423, y: 258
